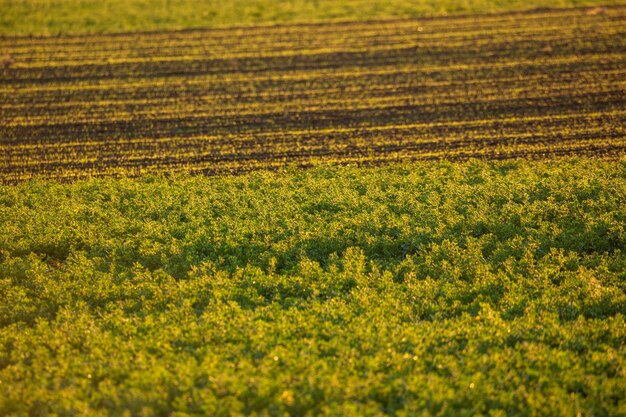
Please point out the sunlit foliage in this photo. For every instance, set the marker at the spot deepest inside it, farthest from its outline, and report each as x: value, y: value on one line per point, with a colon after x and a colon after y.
x: 419, y: 289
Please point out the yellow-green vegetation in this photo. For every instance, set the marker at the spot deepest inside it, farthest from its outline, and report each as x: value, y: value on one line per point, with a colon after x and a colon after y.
x: 50, y: 17
x: 430, y: 288
x: 231, y: 100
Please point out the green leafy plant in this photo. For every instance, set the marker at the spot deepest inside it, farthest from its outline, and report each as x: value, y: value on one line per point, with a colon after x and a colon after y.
x: 417, y: 289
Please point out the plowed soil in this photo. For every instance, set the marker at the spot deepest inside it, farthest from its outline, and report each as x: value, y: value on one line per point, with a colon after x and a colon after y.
x: 536, y: 85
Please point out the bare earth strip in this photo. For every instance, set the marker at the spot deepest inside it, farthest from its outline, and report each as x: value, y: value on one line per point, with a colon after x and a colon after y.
x: 537, y: 84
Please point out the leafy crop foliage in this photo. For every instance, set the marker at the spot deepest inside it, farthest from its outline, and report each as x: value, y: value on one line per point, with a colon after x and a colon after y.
x: 417, y: 289
x: 49, y: 17
x: 231, y: 100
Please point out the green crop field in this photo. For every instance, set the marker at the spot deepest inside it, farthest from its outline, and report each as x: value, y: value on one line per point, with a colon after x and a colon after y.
x: 52, y: 17
x: 423, y: 289
x: 312, y: 207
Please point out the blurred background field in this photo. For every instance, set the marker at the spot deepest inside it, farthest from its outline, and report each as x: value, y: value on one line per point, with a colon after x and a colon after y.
x: 50, y: 17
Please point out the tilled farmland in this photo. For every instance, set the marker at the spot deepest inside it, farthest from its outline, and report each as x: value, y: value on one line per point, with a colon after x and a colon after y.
x: 536, y: 84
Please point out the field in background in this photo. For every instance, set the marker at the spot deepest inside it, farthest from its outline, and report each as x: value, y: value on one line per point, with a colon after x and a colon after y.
x: 538, y: 84
x: 424, y: 289
x: 51, y: 17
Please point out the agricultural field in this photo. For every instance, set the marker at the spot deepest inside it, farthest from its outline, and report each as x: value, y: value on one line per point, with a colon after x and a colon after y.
x: 430, y: 288
x: 396, y: 214
x: 537, y: 84
x: 54, y: 17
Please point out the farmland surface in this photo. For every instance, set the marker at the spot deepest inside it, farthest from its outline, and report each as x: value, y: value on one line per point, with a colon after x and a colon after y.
x: 53, y: 17
x: 448, y: 287
x: 421, y: 289
x: 537, y: 84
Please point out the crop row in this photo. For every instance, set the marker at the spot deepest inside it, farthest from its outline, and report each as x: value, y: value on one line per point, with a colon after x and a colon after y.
x: 232, y: 100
